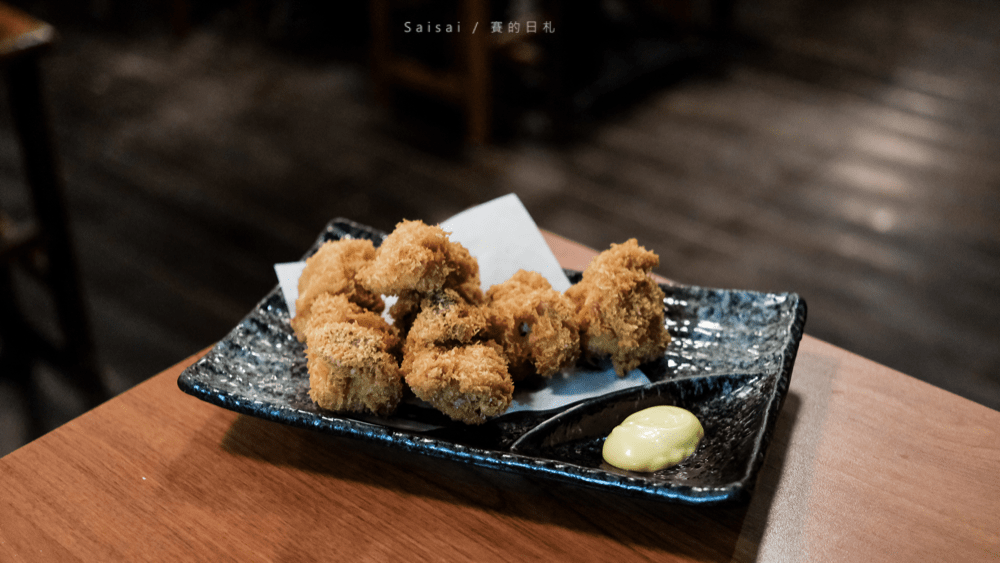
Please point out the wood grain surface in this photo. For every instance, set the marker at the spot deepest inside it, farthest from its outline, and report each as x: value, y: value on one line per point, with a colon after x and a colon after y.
x: 867, y: 464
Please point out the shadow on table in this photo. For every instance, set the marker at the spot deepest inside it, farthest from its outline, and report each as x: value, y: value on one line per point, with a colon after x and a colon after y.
x: 723, y: 533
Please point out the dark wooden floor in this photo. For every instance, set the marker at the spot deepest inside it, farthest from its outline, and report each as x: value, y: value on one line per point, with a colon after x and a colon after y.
x: 848, y: 154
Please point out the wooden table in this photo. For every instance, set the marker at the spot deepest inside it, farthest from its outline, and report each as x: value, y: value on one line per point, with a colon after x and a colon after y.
x: 867, y: 464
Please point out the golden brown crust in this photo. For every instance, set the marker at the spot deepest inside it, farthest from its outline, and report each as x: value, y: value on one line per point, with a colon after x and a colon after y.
x: 351, y: 370
x: 464, y: 278
x: 331, y: 309
x: 443, y: 320
x: 332, y: 269
x: 446, y: 318
x: 351, y: 354
x: 468, y: 383
x: 620, y: 308
x: 420, y: 258
x: 535, y: 325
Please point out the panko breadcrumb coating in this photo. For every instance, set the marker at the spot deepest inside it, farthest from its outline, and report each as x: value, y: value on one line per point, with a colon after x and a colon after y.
x: 445, y: 318
x: 468, y: 383
x: 620, y: 308
x: 448, y: 362
x: 420, y: 258
x: 351, y: 370
x: 351, y: 351
x: 534, y: 323
x: 332, y: 269
x: 464, y: 277
x: 330, y: 308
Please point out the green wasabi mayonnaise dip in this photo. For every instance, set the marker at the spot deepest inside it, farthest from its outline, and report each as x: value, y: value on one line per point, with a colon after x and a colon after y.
x: 653, y: 439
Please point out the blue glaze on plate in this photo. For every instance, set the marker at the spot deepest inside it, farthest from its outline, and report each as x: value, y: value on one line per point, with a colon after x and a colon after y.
x: 730, y: 362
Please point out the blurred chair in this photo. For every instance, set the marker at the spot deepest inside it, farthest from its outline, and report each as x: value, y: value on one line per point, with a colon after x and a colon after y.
x: 586, y: 50
x: 467, y: 83
x: 42, y: 248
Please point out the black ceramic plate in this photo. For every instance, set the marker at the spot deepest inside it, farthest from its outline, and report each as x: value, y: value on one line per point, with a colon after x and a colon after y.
x: 730, y: 363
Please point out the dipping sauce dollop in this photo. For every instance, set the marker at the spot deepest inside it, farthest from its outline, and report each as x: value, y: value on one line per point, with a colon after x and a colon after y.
x: 653, y: 439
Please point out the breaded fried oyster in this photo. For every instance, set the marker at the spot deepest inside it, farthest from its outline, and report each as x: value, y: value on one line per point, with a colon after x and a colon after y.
x: 420, y: 258
x: 446, y: 318
x: 620, y: 308
x: 331, y: 309
x: 352, y: 365
x: 535, y: 325
x: 448, y: 362
x: 332, y: 269
x: 468, y: 383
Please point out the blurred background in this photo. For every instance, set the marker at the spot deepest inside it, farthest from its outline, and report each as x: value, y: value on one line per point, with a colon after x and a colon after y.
x: 844, y: 151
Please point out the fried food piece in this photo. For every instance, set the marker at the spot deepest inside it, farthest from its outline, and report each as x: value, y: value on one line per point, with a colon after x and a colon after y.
x: 410, y: 305
x: 333, y: 309
x: 332, y: 269
x: 620, y: 308
x: 468, y: 383
x: 535, y: 324
x: 351, y: 369
x: 464, y: 277
x: 448, y: 363
x: 446, y: 318
x: 419, y: 258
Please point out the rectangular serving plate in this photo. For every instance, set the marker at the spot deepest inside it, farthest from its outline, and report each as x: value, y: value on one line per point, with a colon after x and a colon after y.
x: 730, y: 361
